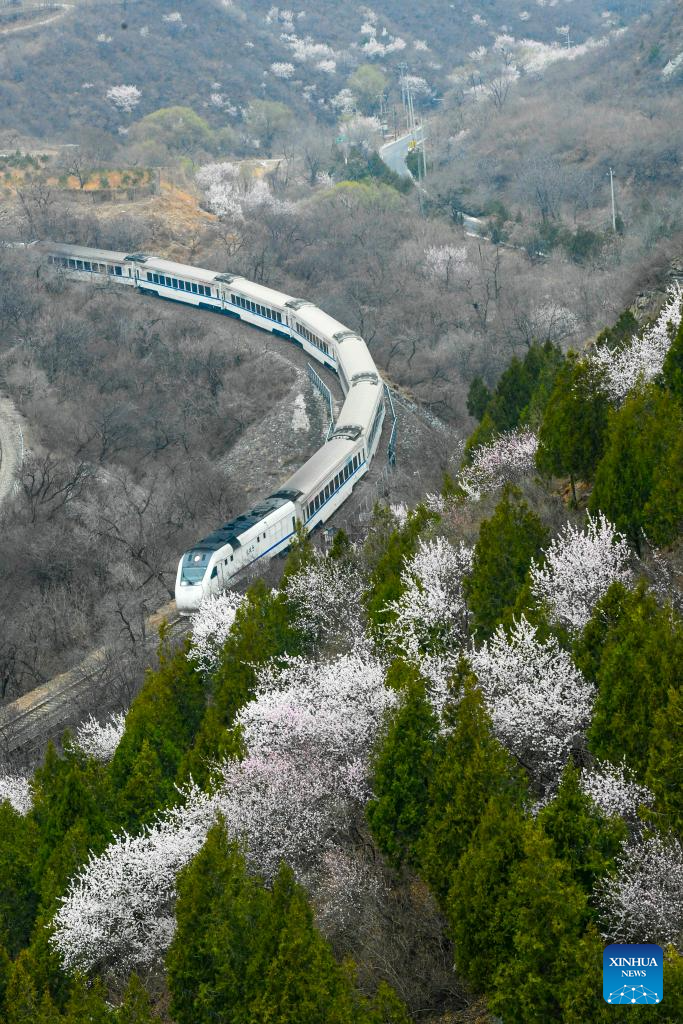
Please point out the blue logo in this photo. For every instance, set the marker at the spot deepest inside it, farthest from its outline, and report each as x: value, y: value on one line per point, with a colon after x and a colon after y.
x: 632, y: 973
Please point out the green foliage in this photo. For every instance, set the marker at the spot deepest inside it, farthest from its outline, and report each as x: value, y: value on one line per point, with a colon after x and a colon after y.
x: 635, y: 659
x: 478, y: 398
x: 161, y: 726
x: 663, y: 512
x: 665, y: 765
x: 482, y: 932
x: 385, y: 578
x: 471, y: 767
x: 73, y: 812
x: 573, y: 428
x: 262, y: 630
x: 546, y: 911
x: 18, y: 896
x: 620, y: 332
x: 368, y: 84
x: 360, y: 165
x: 507, y: 543
x: 135, y: 1008
x: 269, y: 120
x: 246, y: 955
x: 640, y: 438
x: 402, y: 770
x: 582, y: 836
x: 515, y: 388
x: 179, y: 130
x: 673, y: 365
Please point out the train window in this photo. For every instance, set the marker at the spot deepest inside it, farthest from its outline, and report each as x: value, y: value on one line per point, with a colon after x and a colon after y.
x: 110, y: 270
x: 231, y: 557
x: 79, y: 264
x: 119, y: 271
x: 174, y: 282
x: 214, y: 572
x: 86, y: 265
x: 150, y: 276
x: 194, y: 288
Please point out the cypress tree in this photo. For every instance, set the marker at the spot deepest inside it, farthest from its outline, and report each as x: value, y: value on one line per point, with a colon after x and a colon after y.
x: 640, y: 437
x: 402, y: 770
x: 507, y: 543
x: 472, y: 768
x: 18, y: 892
x: 545, y: 911
x: 482, y: 932
x: 572, y: 433
x: 638, y: 664
x: 665, y: 764
x: 582, y: 836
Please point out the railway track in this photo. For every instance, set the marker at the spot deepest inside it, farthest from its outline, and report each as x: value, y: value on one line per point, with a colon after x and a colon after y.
x: 27, y: 723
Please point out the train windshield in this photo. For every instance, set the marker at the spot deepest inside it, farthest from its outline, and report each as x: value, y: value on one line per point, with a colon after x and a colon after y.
x: 194, y: 566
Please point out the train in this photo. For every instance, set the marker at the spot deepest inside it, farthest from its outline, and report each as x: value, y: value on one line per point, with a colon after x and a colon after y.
x: 316, y: 490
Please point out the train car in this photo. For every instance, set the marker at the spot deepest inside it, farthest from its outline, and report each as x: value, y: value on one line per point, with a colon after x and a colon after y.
x: 315, y: 491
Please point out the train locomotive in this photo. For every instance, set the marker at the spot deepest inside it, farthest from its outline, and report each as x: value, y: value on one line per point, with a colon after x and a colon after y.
x: 313, y: 493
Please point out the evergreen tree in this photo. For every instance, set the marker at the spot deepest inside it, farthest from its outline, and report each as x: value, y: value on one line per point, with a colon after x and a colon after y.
x: 385, y: 578
x: 640, y: 437
x: 638, y: 665
x: 213, y: 965
x: 164, y: 718
x: 673, y: 365
x: 507, y: 543
x: 472, y: 767
x: 302, y: 981
x: 663, y: 512
x: 18, y: 895
x: 136, y: 1007
x: 582, y: 836
x: 482, y: 932
x: 665, y: 764
x: 478, y: 397
x: 87, y: 1004
x: 546, y: 912
x: 144, y: 791
x: 402, y: 770
x: 572, y: 433
x: 22, y: 1000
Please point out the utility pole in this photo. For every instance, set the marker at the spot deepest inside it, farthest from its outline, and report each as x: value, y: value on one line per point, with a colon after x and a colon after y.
x: 614, y: 209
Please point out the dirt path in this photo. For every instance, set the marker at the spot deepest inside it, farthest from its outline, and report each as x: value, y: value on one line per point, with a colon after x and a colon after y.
x: 11, y: 448
x: 65, y: 8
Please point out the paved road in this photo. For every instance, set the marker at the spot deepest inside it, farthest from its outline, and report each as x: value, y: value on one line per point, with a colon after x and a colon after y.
x: 394, y: 153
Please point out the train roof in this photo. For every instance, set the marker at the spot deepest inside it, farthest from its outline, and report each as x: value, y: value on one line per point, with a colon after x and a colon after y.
x: 319, y: 467
x: 231, y: 531
x: 84, y: 252
x: 318, y: 321
x: 258, y: 292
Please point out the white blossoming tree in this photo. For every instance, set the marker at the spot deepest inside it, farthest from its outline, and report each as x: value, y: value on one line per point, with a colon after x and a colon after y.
x: 430, y: 616
x: 118, y: 910
x: 100, y: 740
x: 508, y: 458
x: 643, y: 900
x: 642, y: 359
x: 326, y: 595
x: 308, y: 737
x: 538, y: 700
x: 445, y: 262
x: 614, y: 790
x: 16, y: 790
x: 211, y: 627
x: 124, y: 97
x: 579, y: 568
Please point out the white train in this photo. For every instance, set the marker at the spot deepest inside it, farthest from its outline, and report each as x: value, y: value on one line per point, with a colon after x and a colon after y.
x: 319, y: 487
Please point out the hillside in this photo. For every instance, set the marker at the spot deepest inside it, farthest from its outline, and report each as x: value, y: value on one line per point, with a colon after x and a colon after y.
x: 461, y: 736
